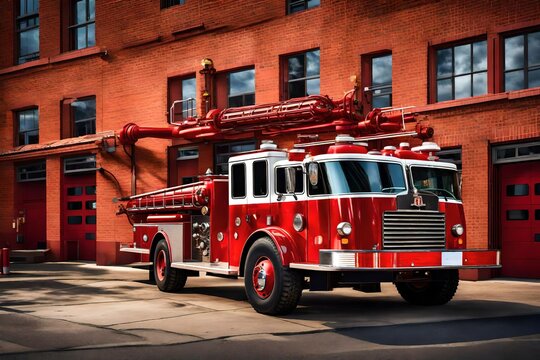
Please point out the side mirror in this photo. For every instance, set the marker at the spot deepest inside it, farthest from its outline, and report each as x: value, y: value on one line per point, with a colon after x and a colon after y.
x: 290, y: 180
x: 313, y: 172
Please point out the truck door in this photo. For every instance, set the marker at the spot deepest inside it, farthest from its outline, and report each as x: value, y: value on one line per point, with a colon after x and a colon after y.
x: 258, y: 212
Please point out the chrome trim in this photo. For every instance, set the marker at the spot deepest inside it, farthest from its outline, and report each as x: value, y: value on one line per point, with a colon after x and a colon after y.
x: 414, y: 229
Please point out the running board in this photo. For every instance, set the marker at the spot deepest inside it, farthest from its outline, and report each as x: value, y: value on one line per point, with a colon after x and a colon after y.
x: 135, y: 250
x: 216, y: 268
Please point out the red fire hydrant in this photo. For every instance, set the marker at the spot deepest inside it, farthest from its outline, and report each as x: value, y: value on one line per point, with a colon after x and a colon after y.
x: 5, y: 261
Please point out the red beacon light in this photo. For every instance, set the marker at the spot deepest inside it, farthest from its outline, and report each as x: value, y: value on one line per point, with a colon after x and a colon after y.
x: 346, y: 144
x: 389, y: 151
x: 297, y: 154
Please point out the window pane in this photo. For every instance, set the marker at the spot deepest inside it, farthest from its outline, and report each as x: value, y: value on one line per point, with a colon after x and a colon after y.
x: 297, y: 89
x: 242, y: 82
x: 236, y: 101
x: 189, y: 88
x: 313, y: 87
x: 80, y: 11
x: 90, y: 236
x: 74, y: 191
x: 313, y: 63
x: 517, y: 215
x: 529, y: 150
x: 91, y: 219
x: 462, y: 59
x: 92, y: 9
x: 91, y: 35
x: 462, y: 86
x: 480, y: 84
x: 534, y: 78
x: 513, y: 52
x: 74, y: 220
x: 29, y: 42
x: 80, y: 37
x: 537, y: 189
x: 517, y: 190
x: 444, y: 62
x: 249, y: 99
x: 506, y: 153
x: 90, y: 190
x: 533, y: 49
x: 312, y: 3
x: 238, y: 180
x: 381, y: 70
x: 514, y: 80
x: 381, y: 101
x: 74, y: 205
x: 444, y: 90
x: 260, y: 178
x: 90, y: 205
x: 480, y: 56
x: 296, y: 66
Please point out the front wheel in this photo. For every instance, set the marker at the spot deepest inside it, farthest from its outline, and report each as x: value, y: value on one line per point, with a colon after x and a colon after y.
x: 167, y: 279
x: 438, y: 290
x: 270, y: 288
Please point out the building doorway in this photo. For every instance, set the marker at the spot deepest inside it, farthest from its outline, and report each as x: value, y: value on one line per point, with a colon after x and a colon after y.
x: 30, y: 219
x: 79, y: 208
x: 519, y: 203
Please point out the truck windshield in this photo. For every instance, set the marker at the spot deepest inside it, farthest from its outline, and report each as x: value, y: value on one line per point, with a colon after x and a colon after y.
x: 352, y: 176
x: 442, y: 182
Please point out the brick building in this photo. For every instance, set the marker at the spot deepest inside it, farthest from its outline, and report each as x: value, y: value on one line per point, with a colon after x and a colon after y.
x: 73, y: 71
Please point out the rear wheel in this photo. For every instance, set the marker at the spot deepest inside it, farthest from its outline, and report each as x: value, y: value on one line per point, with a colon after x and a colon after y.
x: 438, y: 290
x: 167, y: 278
x: 271, y: 289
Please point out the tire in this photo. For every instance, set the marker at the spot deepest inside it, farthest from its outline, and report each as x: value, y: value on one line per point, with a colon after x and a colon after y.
x: 167, y: 278
x: 437, y: 291
x: 270, y: 288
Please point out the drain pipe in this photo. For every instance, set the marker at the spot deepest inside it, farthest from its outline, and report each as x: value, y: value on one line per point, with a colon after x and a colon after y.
x: 133, y: 172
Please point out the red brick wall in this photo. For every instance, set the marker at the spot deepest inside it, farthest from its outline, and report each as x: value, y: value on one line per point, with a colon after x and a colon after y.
x: 130, y: 83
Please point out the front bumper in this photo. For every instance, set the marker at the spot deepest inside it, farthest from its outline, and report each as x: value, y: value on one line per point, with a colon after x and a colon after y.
x: 358, y: 260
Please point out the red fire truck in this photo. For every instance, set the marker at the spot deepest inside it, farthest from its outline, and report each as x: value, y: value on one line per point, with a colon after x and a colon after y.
x: 321, y: 215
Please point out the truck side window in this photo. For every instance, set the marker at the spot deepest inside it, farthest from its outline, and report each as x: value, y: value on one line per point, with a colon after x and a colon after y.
x: 238, y: 180
x: 281, y: 187
x: 260, y: 178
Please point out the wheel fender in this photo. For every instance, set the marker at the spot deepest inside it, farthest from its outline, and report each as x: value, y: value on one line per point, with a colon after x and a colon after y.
x: 284, y: 243
x: 159, y: 235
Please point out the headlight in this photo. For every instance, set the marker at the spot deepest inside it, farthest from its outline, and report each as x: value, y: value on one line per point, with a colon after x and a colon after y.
x: 457, y: 230
x: 344, y: 228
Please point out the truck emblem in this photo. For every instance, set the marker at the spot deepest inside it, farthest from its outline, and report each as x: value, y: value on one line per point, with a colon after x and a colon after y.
x: 418, y: 201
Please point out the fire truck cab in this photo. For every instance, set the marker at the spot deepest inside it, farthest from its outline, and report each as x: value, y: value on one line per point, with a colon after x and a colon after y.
x: 319, y: 216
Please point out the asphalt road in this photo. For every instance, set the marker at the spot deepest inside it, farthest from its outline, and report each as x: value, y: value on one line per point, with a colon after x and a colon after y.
x: 82, y: 311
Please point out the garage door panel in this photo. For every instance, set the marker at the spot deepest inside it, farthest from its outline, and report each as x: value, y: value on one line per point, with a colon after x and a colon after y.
x: 520, y: 218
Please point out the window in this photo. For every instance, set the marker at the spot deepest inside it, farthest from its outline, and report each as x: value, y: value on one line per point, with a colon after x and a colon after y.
x: 452, y: 156
x: 348, y: 177
x: 260, y: 178
x: 522, y: 61
x: 377, y: 78
x: 81, y: 164
x: 187, y: 153
x: 238, y: 180
x: 28, y: 126
x: 461, y: 71
x: 28, y: 30
x: 300, y: 5
x: 168, y: 3
x: 241, y: 88
x: 31, y: 172
x: 82, y: 27
x: 84, y: 116
x: 516, y: 152
x: 222, y: 153
x: 184, y: 90
x: 302, y: 74
x: 281, y: 182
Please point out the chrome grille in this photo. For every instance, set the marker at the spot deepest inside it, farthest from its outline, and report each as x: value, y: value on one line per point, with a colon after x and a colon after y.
x: 413, y: 230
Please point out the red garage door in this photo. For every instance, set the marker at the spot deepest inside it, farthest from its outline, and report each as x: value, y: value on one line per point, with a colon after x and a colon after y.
x: 79, y: 216
x: 520, y: 219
